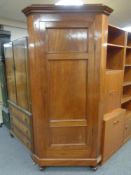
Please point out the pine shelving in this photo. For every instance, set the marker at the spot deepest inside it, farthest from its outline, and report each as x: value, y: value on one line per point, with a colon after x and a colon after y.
x: 119, y: 58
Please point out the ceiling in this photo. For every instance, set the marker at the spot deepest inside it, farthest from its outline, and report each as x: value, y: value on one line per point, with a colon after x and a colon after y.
x: 11, y: 9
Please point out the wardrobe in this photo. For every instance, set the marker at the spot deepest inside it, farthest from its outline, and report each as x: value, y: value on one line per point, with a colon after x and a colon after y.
x: 4, y: 111
x: 67, y: 59
x: 70, y: 97
x: 17, y: 74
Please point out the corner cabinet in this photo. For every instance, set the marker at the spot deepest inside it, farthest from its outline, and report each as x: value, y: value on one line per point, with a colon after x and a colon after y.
x: 4, y: 38
x: 16, y: 59
x: 67, y: 59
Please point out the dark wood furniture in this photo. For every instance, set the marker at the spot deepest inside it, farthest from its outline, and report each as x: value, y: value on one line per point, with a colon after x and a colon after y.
x: 79, y: 77
x: 67, y: 59
x: 4, y: 38
x: 17, y: 72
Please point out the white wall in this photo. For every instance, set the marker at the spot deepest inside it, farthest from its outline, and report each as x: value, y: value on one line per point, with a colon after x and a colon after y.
x: 17, y: 29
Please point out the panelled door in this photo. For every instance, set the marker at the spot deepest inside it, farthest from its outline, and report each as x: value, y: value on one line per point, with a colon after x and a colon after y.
x: 10, y: 67
x: 67, y: 47
x: 20, y: 59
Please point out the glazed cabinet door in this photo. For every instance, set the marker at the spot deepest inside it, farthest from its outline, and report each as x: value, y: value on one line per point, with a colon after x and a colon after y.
x: 21, y: 72
x: 67, y: 124
x: 10, y: 71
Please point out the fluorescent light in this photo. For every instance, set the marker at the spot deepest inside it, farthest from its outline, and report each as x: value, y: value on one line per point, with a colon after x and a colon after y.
x: 69, y: 2
x: 128, y: 29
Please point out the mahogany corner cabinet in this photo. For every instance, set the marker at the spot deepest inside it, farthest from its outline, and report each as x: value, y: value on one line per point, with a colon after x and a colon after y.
x: 67, y: 63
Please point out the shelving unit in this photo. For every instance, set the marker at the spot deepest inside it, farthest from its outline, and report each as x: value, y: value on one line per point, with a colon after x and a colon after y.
x: 119, y: 58
x: 126, y: 98
x: 117, y: 91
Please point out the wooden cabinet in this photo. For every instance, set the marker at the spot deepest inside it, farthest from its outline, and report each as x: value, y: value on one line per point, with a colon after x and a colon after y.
x: 16, y: 54
x: 67, y: 68
x: 4, y: 37
x: 113, y: 132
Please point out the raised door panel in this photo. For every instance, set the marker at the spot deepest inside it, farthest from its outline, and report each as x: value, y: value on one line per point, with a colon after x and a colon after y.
x: 67, y: 40
x: 9, y: 61
x: 67, y: 80
x: 20, y: 58
x: 69, y: 126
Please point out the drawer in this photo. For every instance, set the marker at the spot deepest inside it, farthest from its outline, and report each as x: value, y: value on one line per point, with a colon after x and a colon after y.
x: 23, y: 128
x: 127, y: 128
x: 113, y: 132
x: 22, y: 138
x: 20, y: 115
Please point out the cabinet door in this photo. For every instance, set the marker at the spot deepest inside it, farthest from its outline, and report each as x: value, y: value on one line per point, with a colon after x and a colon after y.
x: 10, y: 67
x: 63, y: 81
x: 113, y: 90
x: 113, y: 132
x: 20, y: 59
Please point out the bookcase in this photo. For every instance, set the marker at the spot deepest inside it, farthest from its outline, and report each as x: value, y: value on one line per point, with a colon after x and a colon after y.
x: 117, y: 91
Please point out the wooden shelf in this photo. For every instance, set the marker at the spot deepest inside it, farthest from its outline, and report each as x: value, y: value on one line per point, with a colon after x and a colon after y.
x: 115, y: 45
x: 125, y: 99
x: 127, y: 65
x: 113, y: 70
x: 127, y: 83
x: 128, y: 47
x: 115, y: 57
x: 116, y: 36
